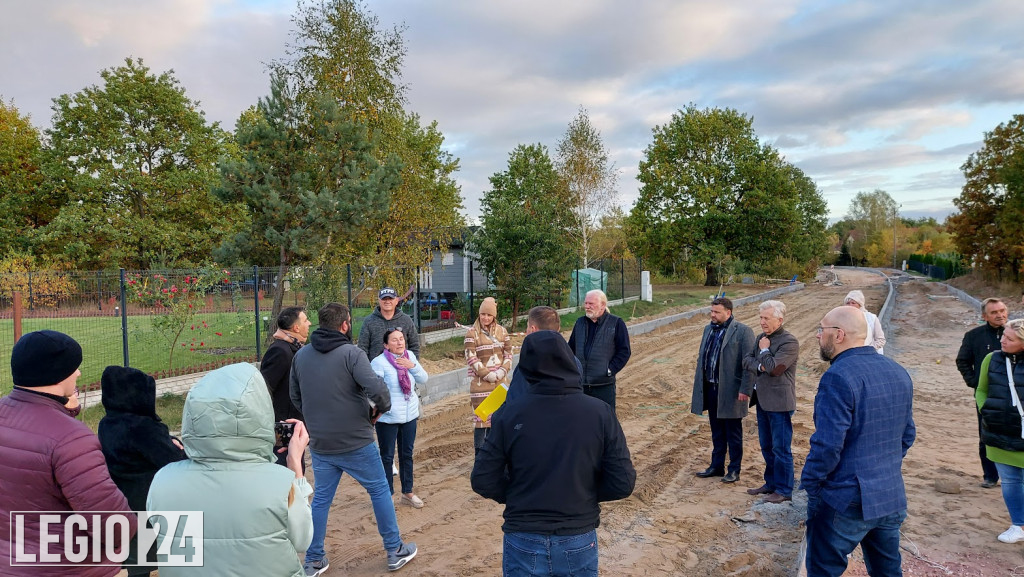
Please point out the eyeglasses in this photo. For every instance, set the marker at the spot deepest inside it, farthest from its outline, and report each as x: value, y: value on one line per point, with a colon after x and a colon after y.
x: 822, y: 329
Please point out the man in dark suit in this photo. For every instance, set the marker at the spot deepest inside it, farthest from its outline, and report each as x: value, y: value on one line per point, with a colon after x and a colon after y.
x: 864, y: 425
x: 977, y: 344
x: 722, y: 388
x: 772, y: 363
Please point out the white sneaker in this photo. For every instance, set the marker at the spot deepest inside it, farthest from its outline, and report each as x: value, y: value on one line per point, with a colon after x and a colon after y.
x: 1015, y: 534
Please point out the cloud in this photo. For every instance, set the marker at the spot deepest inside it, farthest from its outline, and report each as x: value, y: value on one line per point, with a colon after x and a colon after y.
x: 858, y: 94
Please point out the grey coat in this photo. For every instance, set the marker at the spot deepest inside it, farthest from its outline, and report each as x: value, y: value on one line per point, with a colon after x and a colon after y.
x: 776, y: 384
x: 733, y: 380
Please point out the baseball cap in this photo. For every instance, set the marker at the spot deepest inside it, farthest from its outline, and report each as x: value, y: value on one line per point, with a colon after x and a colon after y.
x: 387, y: 293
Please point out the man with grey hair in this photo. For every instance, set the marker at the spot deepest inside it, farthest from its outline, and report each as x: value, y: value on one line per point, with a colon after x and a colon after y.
x: 773, y: 366
x: 875, y: 337
x: 601, y: 343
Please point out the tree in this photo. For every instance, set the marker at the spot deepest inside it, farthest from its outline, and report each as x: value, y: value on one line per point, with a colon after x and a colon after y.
x: 609, y: 239
x: 135, y: 159
x: 423, y: 212
x: 710, y: 191
x: 521, y: 243
x: 339, y: 50
x: 582, y: 163
x: 306, y: 175
x: 25, y: 205
x: 991, y: 203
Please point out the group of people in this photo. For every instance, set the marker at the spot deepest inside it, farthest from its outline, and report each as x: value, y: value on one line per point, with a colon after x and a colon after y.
x: 554, y: 450
x: 351, y: 412
x: 863, y: 422
x: 356, y: 415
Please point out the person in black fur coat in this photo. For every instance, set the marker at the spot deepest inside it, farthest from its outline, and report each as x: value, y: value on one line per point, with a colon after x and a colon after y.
x: 135, y: 442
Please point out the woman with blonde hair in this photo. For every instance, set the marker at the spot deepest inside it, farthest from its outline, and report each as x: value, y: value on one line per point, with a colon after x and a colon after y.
x: 999, y: 396
x: 489, y: 356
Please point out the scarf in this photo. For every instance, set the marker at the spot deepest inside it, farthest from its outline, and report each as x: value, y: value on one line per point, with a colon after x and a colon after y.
x: 288, y: 336
x: 403, y: 373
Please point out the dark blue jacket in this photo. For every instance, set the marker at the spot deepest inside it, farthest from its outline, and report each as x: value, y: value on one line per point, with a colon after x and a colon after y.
x: 555, y: 453
x: 602, y: 347
x: 864, y: 424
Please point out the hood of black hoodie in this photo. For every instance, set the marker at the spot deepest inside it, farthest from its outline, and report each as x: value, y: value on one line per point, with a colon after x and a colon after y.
x: 128, y: 390
x: 548, y: 365
x: 326, y: 340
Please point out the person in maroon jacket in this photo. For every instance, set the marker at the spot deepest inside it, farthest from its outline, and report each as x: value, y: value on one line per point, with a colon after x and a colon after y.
x: 48, y: 460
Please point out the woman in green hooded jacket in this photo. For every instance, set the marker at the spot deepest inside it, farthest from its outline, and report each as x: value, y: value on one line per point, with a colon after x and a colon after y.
x: 256, y: 514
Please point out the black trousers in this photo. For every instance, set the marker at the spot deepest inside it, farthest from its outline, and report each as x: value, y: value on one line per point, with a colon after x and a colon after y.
x: 725, y: 433
x: 988, y: 468
x: 604, y: 392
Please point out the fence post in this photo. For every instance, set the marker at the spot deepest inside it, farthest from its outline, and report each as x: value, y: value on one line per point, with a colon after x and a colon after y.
x: 348, y: 272
x: 416, y: 303
x: 577, y: 275
x: 256, y: 298
x: 30, y: 307
x: 604, y: 280
x: 622, y: 277
x: 17, y: 315
x: 124, y: 320
x: 469, y: 313
x: 99, y: 290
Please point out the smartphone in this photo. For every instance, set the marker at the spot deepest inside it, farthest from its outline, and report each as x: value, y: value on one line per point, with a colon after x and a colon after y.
x: 283, y: 432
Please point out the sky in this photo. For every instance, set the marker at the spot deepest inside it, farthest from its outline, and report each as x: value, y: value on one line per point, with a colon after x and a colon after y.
x: 859, y: 95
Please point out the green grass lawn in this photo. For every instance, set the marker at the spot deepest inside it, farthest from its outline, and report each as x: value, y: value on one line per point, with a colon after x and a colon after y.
x: 168, y: 407
x: 199, y: 347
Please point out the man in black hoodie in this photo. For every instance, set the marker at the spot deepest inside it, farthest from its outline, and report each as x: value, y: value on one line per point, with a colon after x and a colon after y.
x: 552, y: 455
x: 341, y: 398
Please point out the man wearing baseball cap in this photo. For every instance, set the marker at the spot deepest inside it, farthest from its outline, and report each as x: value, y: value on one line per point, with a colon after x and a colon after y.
x: 48, y: 460
x: 384, y: 319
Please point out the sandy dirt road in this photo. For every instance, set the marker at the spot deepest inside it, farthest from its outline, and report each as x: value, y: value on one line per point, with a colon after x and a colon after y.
x: 677, y: 524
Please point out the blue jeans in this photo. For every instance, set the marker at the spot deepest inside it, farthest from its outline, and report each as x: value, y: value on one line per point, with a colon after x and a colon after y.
x: 725, y: 433
x: 1013, y: 491
x: 365, y: 467
x: 832, y: 535
x: 775, y: 431
x: 405, y: 435
x: 549, y: 555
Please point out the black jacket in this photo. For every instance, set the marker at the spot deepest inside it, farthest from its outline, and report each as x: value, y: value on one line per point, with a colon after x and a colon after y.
x: 977, y: 344
x: 135, y: 442
x: 1000, y: 420
x: 554, y: 453
x: 276, y: 369
x: 602, y: 347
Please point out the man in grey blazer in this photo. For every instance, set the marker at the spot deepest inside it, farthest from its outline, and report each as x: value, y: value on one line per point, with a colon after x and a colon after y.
x: 722, y: 388
x: 772, y: 363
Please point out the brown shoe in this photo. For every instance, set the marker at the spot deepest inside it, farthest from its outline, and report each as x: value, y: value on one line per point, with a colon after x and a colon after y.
x: 762, y: 490
x: 777, y: 498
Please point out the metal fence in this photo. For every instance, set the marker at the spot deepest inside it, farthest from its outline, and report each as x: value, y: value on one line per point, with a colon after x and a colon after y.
x: 181, y: 321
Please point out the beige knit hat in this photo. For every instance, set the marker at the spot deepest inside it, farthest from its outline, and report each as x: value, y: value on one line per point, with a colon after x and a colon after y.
x: 488, y: 306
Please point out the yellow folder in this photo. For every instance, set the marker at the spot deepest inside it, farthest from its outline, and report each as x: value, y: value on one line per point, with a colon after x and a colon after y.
x: 493, y: 402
